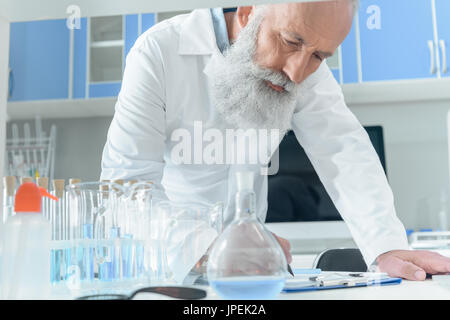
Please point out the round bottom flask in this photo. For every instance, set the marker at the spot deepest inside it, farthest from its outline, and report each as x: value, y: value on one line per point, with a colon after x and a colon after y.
x: 246, y: 261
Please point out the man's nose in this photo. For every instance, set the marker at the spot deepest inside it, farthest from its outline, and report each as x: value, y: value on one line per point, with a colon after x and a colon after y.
x: 295, y: 66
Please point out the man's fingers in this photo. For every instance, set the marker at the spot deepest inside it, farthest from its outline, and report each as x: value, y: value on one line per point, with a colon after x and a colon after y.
x: 288, y: 255
x: 431, y: 262
x: 286, y: 246
x: 412, y: 272
x: 396, y: 267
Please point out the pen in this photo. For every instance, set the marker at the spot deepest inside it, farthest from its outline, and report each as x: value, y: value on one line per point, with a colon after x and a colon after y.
x: 290, y: 270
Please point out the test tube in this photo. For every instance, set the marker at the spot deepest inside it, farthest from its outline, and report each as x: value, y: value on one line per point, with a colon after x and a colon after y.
x: 71, y: 221
x: 138, y: 218
x: 87, y: 232
x: 8, y: 197
x: 115, y: 232
x: 103, y: 252
x: 109, y: 267
x: 59, y: 263
x: 128, y: 247
x: 43, y: 182
x: 57, y: 214
x: 46, y: 210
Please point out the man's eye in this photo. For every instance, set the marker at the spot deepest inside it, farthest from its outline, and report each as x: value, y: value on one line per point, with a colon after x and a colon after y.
x: 318, y: 57
x: 291, y: 43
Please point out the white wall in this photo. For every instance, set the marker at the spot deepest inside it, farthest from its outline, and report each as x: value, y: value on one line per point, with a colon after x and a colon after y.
x: 79, y: 145
x: 416, y: 155
x: 4, y: 58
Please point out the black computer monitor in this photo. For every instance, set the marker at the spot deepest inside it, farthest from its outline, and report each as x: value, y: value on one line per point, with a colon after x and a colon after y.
x: 295, y: 193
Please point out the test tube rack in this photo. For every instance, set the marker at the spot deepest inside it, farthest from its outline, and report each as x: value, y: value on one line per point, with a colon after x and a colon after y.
x: 30, y: 155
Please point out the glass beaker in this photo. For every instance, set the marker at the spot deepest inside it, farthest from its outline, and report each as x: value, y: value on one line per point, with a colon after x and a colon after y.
x: 182, y: 233
x: 137, y: 221
x: 95, y: 210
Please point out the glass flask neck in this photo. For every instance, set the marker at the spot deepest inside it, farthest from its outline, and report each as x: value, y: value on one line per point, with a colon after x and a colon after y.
x: 245, y: 204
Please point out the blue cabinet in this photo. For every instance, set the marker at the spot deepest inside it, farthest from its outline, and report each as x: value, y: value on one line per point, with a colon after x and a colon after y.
x: 131, y: 32
x: 349, y: 65
x: 336, y: 73
x: 443, y: 30
x: 132, y: 29
x: 344, y: 64
x: 334, y: 64
x: 80, y: 60
x: 39, y: 60
x: 104, y: 90
x: 148, y: 20
x: 396, y: 39
x: 110, y: 38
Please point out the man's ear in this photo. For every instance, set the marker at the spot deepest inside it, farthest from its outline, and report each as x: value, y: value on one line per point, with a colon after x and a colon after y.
x: 243, y: 15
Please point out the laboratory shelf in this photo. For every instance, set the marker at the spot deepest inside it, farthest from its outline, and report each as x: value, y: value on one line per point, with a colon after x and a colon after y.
x: 107, y: 44
x: 54, y: 109
x: 396, y: 91
x: 355, y: 95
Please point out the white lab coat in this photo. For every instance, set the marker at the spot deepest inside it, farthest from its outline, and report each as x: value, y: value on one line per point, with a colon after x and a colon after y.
x: 166, y: 86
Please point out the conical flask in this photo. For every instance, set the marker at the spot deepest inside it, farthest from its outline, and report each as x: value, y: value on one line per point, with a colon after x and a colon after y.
x: 246, y: 261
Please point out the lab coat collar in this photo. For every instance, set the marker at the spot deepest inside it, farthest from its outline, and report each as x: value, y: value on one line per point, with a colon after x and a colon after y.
x: 197, y: 34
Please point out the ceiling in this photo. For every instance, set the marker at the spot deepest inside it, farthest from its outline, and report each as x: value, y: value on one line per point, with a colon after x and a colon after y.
x: 27, y: 10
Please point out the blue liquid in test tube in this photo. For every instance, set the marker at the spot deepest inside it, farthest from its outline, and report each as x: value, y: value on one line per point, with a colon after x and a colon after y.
x: 127, y: 254
x: 88, y: 254
x: 139, y: 259
x: 115, y: 254
x: 58, y: 264
x: 64, y: 263
x: 55, y: 266
x: 79, y: 254
x: 104, y: 265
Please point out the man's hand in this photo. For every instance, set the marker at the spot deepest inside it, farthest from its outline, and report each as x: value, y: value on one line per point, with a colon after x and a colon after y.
x: 286, y: 246
x: 412, y: 265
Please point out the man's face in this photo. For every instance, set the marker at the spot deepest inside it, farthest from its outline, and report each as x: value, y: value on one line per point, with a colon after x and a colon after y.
x: 256, y: 85
x: 295, y: 38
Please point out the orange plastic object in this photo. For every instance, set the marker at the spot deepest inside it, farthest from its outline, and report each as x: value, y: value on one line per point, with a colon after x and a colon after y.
x: 28, y: 198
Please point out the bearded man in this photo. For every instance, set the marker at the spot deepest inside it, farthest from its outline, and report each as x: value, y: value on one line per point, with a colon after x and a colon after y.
x: 255, y: 67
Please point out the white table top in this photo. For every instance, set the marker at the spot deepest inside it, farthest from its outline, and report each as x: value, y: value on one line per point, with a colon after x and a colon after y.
x: 407, y: 290
x: 421, y: 290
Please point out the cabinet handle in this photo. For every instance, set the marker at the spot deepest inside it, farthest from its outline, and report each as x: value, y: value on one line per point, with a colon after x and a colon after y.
x: 432, y: 62
x: 10, y: 83
x: 444, y: 56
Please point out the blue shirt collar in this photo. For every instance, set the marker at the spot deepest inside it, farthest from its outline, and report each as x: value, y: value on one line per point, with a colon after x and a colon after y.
x: 220, y: 29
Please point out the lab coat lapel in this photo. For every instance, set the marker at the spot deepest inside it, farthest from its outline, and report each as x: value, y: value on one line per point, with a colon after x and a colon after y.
x: 197, y: 37
x: 213, y: 61
x: 197, y: 34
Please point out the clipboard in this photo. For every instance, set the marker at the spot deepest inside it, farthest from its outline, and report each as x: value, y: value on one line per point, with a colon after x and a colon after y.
x: 337, y: 280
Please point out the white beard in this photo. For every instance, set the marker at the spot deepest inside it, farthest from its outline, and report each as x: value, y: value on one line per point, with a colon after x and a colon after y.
x: 240, y: 91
